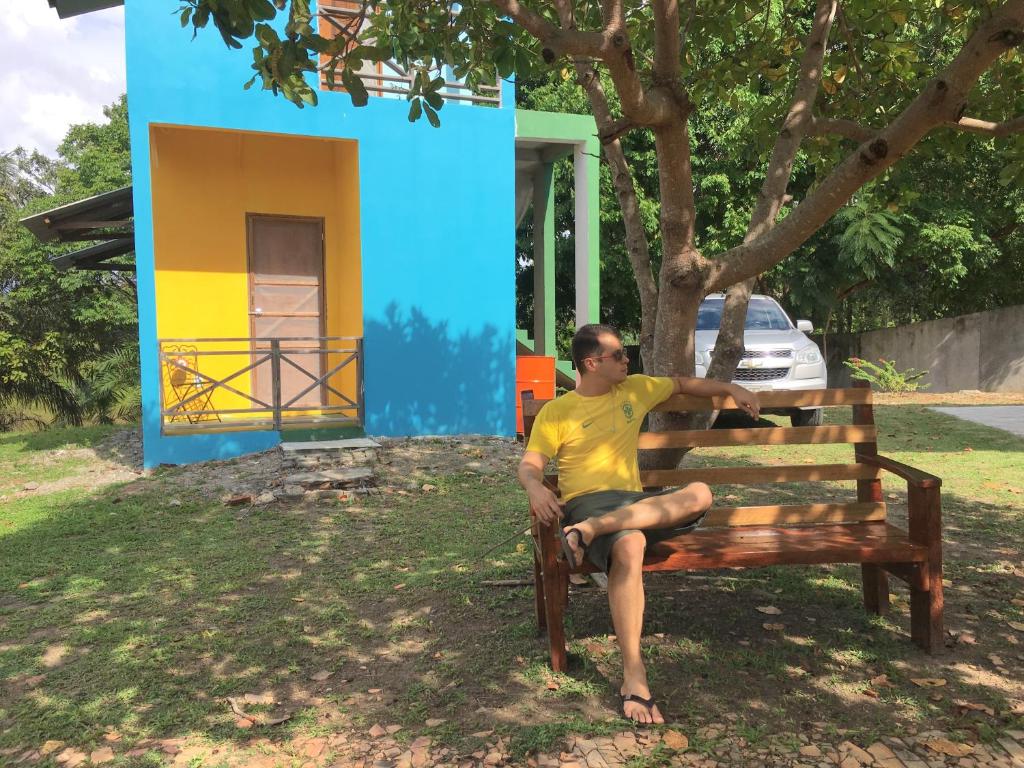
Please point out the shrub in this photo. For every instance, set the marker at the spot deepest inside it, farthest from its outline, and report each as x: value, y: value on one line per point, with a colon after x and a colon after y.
x: 885, y: 376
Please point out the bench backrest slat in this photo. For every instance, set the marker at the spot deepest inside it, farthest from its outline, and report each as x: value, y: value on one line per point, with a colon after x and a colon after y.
x: 782, y: 399
x: 862, y: 434
x: 719, y: 438
x: 794, y: 514
x: 756, y: 475
x: 793, y: 399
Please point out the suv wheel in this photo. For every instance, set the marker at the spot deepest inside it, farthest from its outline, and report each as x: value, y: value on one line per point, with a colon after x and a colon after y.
x: 811, y: 418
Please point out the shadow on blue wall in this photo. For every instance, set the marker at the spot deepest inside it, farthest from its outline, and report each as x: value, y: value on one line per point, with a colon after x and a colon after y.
x: 423, y: 380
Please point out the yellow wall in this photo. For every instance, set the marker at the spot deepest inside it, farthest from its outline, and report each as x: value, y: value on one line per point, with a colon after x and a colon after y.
x: 204, y: 184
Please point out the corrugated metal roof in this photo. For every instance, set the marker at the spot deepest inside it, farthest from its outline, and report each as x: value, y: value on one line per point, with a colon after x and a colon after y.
x: 68, y: 8
x: 97, y: 256
x: 57, y: 223
x: 106, y: 217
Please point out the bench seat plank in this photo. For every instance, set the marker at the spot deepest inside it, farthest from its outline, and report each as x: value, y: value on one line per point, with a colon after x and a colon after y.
x: 756, y: 546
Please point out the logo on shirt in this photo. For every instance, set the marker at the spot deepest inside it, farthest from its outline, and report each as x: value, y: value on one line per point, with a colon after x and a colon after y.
x: 627, y: 411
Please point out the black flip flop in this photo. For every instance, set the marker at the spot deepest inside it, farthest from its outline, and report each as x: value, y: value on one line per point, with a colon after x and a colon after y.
x: 647, y: 704
x: 567, y: 551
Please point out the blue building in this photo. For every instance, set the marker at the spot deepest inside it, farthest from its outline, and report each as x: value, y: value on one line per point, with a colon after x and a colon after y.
x: 329, y: 267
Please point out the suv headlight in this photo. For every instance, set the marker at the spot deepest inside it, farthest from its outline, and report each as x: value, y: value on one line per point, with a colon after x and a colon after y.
x: 808, y: 355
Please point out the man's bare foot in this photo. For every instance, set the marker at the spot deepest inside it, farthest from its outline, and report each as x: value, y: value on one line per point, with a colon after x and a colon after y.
x: 578, y: 542
x: 637, y: 703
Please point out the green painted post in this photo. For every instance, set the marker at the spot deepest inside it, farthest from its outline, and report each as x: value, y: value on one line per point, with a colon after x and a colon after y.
x: 577, y: 134
x: 591, y: 160
x: 544, y: 260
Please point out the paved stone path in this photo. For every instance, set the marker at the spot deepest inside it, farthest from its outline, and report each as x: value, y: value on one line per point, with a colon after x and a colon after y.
x: 1006, y: 417
x: 713, y: 746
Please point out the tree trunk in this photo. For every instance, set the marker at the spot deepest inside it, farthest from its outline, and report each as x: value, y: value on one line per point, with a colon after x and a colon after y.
x: 681, y: 281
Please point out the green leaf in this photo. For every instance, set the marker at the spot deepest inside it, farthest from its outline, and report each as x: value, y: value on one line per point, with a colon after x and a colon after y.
x: 263, y: 10
x: 267, y: 35
x: 355, y: 88
x: 432, y: 117
x: 435, y: 100
x: 415, y: 110
x: 186, y: 15
x: 249, y: 82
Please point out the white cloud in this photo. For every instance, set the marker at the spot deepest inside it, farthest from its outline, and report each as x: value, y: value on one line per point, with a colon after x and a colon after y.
x: 56, y: 72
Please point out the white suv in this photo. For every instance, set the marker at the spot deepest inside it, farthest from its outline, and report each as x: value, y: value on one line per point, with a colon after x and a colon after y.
x: 777, y: 355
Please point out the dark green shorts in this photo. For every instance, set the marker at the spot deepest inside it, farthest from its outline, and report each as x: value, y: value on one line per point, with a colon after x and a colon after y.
x: 601, y: 502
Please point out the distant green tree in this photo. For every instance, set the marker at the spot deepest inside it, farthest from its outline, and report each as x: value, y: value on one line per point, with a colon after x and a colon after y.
x: 66, y: 338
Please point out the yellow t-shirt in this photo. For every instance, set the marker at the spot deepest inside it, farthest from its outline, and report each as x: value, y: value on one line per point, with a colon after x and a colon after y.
x: 594, y: 439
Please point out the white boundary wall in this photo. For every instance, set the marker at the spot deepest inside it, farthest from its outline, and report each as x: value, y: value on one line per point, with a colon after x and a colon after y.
x: 983, y: 351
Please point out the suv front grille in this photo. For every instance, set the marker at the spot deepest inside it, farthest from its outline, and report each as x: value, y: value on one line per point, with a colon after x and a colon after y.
x: 760, y: 374
x: 749, y: 353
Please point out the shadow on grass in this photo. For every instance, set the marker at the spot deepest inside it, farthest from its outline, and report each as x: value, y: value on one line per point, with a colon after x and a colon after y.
x: 141, y: 615
x: 56, y: 437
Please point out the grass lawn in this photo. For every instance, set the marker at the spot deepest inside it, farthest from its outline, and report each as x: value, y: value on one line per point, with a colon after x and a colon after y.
x: 132, y: 612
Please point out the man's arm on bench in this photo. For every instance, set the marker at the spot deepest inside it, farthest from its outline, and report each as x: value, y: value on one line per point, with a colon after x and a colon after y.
x: 745, y: 399
x: 543, y: 501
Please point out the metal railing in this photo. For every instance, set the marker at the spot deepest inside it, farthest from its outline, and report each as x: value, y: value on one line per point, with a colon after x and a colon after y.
x: 347, y: 22
x: 202, y: 390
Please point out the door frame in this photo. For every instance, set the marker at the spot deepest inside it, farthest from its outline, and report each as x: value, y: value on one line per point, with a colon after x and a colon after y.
x: 250, y: 218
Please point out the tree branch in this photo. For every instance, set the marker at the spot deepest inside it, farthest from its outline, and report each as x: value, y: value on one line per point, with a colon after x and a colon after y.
x: 642, y: 107
x: 848, y: 129
x: 666, y: 40
x: 845, y: 27
x: 940, y: 102
x: 613, y: 14
x: 690, y: 18
x: 637, y: 246
x: 800, y: 116
x: 555, y: 42
x: 973, y: 125
x: 729, y: 344
x: 615, y: 128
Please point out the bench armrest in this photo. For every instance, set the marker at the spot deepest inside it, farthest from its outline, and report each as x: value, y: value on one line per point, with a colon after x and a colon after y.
x: 914, y: 477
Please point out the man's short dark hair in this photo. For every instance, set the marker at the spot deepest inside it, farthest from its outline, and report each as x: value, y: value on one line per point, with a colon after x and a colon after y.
x: 586, y: 344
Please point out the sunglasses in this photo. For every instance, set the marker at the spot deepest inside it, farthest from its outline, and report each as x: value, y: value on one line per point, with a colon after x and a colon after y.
x: 618, y: 356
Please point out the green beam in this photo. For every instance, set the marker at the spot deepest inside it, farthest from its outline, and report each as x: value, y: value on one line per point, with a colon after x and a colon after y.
x: 579, y: 134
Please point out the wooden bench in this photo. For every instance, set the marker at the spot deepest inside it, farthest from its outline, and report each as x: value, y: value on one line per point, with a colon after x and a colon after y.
x: 803, y: 534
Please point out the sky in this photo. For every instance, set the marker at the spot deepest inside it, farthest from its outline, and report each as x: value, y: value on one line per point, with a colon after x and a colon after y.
x: 55, y: 72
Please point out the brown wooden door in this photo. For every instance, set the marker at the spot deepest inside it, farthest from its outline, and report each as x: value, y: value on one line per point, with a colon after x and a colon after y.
x: 286, y: 277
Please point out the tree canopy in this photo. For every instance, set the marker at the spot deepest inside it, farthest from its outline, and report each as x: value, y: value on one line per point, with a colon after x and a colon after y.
x: 68, y: 340
x: 911, y: 247
x: 820, y: 101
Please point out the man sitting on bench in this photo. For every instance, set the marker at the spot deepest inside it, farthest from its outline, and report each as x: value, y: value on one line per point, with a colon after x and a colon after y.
x: 593, y: 433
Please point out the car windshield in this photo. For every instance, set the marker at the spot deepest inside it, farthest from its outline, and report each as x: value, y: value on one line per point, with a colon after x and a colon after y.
x: 762, y: 315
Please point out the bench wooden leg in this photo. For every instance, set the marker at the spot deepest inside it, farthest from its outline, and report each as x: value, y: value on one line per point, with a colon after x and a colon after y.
x: 555, y: 585
x: 538, y: 593
x: 554, y: 603
x: 876, y: 588
x: 924, y: 508
x: 926, y: 628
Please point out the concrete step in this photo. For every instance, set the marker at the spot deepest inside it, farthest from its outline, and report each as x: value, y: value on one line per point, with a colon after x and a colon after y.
x: 333, y: 476
x: 319, y: 446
